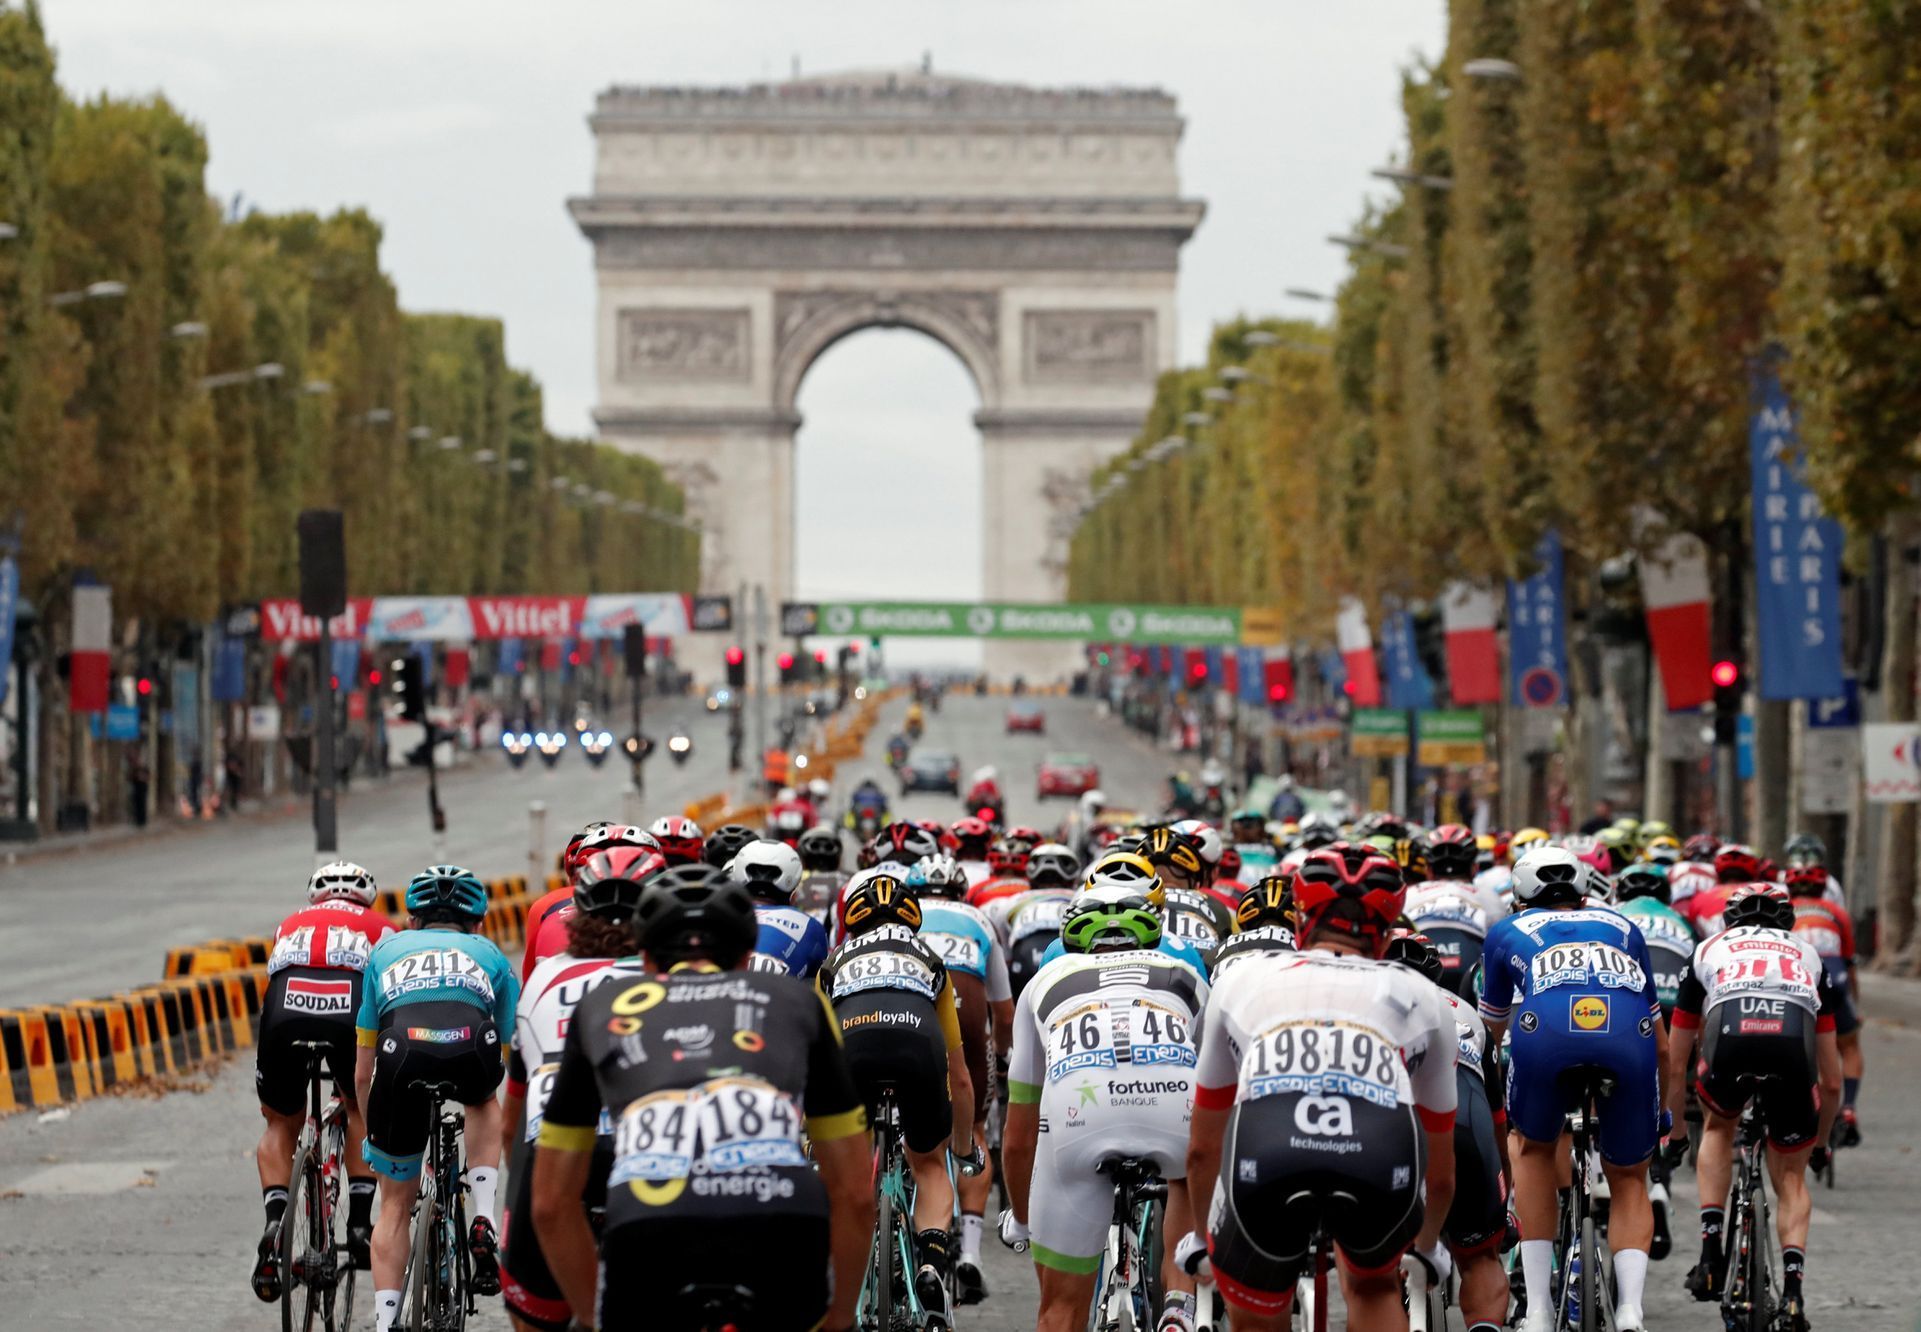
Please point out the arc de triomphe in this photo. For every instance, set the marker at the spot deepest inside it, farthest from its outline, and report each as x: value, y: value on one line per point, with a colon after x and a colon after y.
x: 739, y: 232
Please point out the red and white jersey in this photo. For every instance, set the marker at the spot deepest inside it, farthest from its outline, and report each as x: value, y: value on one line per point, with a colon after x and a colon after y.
x: 1688, y: 878
x: 1752, y: 962
x: 976, y: 871
x: 1327, y: 1025
x: 336, y: 936
x: 1455, y: 903
x: 1825, y: 925
x: 547, y: 1004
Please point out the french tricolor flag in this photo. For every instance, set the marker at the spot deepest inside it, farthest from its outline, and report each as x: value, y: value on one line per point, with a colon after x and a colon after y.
x: 1357, y: 654
x: 90, y: 675
x: 1674, y: 588
x: 1473, y: 655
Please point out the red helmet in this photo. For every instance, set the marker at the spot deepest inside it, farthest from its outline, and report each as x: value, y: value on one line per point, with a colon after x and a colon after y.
x: 1735, y: 863
x: 1352, y: 889
x: 1229, y: 868
x: 611, y: 865
x: 606, y: 838
x: 569, y: 857
x: 1451, y: 852
x: 972, y: 835
x: 1761, y: 904
x: 680, y: 839
x: 1008, y: 857
x: 1700, y: 848
x: 1020, y: 832
x: 1807, y: 880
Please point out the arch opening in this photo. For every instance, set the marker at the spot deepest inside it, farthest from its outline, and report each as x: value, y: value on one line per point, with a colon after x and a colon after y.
x: 887, y: 480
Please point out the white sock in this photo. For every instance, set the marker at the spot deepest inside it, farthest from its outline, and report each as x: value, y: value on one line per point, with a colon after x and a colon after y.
x: 1537, y: 1265
x: 481, y: 1179
x: 386, y: 1309
x: 971, y: 1239
x: 1630, y: 1277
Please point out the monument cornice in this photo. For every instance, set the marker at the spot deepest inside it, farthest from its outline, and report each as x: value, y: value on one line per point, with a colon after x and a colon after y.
x: 603, y: 212
x: 694, y: 420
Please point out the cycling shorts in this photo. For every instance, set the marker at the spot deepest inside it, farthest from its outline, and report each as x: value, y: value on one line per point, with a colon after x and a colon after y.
x: 782, y: 1259
x: 1295, y: 1162
x: 1847, y: 1018
x: 899, y: 1045
x: 977, y: 1038
x: 304, y: 1004
x: 1776, y: 1046
x: 1547, y: 1045
x: 1070, y: 1202
x: 1024, y: 958
x: 432, y: 1042
x: 1459, y: 951
x: 1477, y: 1220
x: 526, y: 1281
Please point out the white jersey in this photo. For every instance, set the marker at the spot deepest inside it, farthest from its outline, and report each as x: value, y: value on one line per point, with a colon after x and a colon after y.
x: 1330, y: 1026
x: 1470, y: 1035
x: 1752, y: 961
x: 1688, y: 878
x: 1496, y: 879
x: 1455, y: 904
x: 1037, y: 911
x: 547, y: 1002
x: 976, y: 871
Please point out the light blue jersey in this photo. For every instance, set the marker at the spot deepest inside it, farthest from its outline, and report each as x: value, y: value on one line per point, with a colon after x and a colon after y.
x: 1178, y: 949
x: 438, y: 966
x: 967, y: 939
x: 791, y: 942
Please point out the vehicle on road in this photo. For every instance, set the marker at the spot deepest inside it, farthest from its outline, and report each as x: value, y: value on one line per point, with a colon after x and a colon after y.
x: 1024, y: 716
x: 1066, y: 775
x: 931, y: 770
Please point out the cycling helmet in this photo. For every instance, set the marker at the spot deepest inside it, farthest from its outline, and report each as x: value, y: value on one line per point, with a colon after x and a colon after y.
x: 1525, y: 841
x: 972, y: 834
x: 1620, y: 847
x: 938, y: 876
x: 1207, y: 838
x: 770, y: 871
x: 1380, y: 823
x: 696, y: 913
x: 1765, y: 905
x: 607, y: 838
x: 906, y: 843
x: 1805, y: 849
x: 1107, y: 921
x: 1124, y: 870
x: 342, y: 881
x: 1133, y: 843
x: 1247, y: 826
x: 724, y: 843
x: 1700, y: 848
x: 1316, y: 831
x: 1170, y: 848
x: 441, y: 891
x: 1661, y: 849
x: 787, y: 822
x: 819, y: 848
x: 1651, y: 829
x: 1269, y: 902
x: 1644, y: 878
x: 681, y: 840
x: 1008, y: 857
x: 1051, y: 865
x: 610, y: 884
x: 568, y: 856
x: 819, y: 791
x: 1807, y: 880
x: 1351, y: 889
x: 878, y: 898
x: 1550, y: 876
x: 1735, y: 863
x: 1229, y: 868
x: 1415, y: 951
x: 1450, y: 852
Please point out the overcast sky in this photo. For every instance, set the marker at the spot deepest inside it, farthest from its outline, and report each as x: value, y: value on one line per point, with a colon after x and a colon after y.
x: 461, y: 124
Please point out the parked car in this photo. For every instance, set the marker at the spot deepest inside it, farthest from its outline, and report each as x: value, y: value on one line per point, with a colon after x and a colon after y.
x: 931, y: 770
x: 1067, y: 775
x: 1026, y: 715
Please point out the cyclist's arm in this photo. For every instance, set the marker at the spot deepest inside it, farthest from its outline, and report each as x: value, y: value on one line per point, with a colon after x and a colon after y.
x: 562, y: 1162
x: 841, y: 1147
x: 1217, y: 1077
x: 1680, y: 1042
x: 1020, y: 1136
x: 960, y: 1084
x: 506, y: 1002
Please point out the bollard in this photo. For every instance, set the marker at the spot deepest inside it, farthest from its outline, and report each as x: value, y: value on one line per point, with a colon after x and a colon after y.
x: 630, y: 810
x: 536, y: 838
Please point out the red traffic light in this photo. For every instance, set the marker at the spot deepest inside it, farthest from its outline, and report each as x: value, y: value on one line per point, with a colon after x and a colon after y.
x: 1725, y: 674
x: 820, y: 655
x: 785, y: 661
x: 735, y: 656
x: 1277, y: 693
x: 373, y: 676
x: 143, y: 686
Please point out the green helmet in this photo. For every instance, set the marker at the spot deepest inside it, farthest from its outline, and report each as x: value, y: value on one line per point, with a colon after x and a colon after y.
x: 1642, y: 879
x: 1650, y: 830
x: 1096, y: 921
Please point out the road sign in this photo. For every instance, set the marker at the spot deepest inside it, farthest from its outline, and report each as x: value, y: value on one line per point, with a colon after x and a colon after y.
x: 799, y: 618
x: 1830, y: 760
x: 1453, y: 736
x: 1197, y: 626
x: 1379, y: 733
x: 1541, y: 687
x: 713, y: 614
x: 1891, y: 762
x: 1837, y: 713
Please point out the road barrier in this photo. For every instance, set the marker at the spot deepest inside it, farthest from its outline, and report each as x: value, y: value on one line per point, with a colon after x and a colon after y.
x: 206, y: 1007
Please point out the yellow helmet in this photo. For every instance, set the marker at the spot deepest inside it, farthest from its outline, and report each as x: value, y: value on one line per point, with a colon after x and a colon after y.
x: 1124, y: 869
x: 1484, y: 842
x: 1526, y: 840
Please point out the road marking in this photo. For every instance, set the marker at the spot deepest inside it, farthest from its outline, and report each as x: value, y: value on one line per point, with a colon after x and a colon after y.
x: 79, y: 1179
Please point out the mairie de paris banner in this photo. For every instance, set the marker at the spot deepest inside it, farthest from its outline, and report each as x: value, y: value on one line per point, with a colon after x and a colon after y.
x: 1200, y: 626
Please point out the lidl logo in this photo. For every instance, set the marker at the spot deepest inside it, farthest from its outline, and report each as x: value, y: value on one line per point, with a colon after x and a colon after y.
x: 1590, y: 1013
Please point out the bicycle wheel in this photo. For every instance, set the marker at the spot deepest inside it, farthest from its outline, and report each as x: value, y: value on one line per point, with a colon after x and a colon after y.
x: 1760, y: 1275
x: 1597, y: 1300
x: 1147, y: 1259
x: 299, y: 1230
x: 339, y: 1308
x: 886, y: 1254
x: 459, y: 1290
x: 423, y: 1267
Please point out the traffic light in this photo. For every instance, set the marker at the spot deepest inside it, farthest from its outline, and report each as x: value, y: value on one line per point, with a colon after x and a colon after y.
x: 786, y: 663
x: 410, y: 687
x: 736, y: 667
x: 1728, y: 687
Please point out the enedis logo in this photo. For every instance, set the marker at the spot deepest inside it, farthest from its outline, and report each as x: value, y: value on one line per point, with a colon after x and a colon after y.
x: 1589, y: 1012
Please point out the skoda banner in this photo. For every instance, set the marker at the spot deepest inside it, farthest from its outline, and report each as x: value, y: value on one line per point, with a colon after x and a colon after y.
x: 1199, y: 626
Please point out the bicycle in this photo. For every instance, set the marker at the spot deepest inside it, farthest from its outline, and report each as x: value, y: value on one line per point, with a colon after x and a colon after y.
x: 439, y: 1277
x: 316, y: 1274
x: 710, y: 1307
x: 1590, y: 1304
x: 1751, y: 1290
x: 1127, y: 1291
x: 888, y: 1301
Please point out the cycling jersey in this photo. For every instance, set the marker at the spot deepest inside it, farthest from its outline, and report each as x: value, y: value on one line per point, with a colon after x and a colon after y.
x: 1496, y: 879
x: 988, y: 890
x: 966, y: 944
x: 791, y: 941
x: 313, y: 992
x: 437, y: 966
x: 1688, y: 878
x: 1104, y: 1045
x: 1178, y: 949
x: 1670, y: 941
x: 328, y: 936
x: 976, y: 871
x: 558, y: 902
x: 899, y: 1017
x: 1032, y: 921
x: 1333, y: 1068
x: 710, y: 1079
x: 1455, y: 916
x: 1197, y: 917
x: 1578, y: 986
x: 1827, y: 925
x: 1260, y: 940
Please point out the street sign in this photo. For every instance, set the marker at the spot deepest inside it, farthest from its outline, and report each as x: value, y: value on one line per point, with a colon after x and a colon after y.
x: 1891, y: 762
x: 1830, y: 760
x: 1450, y: 737
x: 1541, y: 686
x: 123, y: 722
x: 713, y: 614
x: 1197, y: 626
x: 1262, y: 626
x: 1836, y: 713
x: 799, y: 618
x: 1744, y: 747
x: 1379, y: 733
x: 263, y: 722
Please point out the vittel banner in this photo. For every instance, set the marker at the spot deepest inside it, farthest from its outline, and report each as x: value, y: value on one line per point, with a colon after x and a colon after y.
x: 466, y: 619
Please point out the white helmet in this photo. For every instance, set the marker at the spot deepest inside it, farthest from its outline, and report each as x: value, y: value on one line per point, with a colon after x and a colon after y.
x: 819, y: 789
x: 1550, y: 876
x: 985, y: 774
x: 1206, y: 834
x: 342, y: 881
x: 770, y: 871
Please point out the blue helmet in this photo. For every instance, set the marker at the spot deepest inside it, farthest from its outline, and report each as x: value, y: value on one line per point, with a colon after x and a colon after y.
x: 447, y: 886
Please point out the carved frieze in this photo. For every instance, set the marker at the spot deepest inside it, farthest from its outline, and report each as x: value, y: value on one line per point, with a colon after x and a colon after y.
x: 1088, y: 346
x: 684, y: 345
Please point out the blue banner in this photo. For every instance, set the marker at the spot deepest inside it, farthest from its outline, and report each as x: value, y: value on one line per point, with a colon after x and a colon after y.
x: 9, y: 604
x: 1797, y: 559
x: 1409, y: 687
x: 229, y: 683
x: 1252, y: 663
x: 346, y: 663
x: 1333, y: 669
x: 507, y: 657
x: 1537, y: 631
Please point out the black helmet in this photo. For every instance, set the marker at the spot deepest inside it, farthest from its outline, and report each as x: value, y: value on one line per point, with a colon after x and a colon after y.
x: 1806, y: 849
x: 1412, y: 950
x: 695, y: 912
x: 1051, y: 865
x: 724, y: 843
x: 1766, y: 905
x: 609, y: 885
x: 1644, y: 878
x: 819, y: 848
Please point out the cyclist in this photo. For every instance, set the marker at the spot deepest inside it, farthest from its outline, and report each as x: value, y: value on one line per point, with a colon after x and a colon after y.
x: 315, y: 978
x: 1764, y: 1008
x: 1735, y: 866
x: 1030, y: 921
x: 1576, y: 982
x: 899, y: 847
x: 680, y: 839
x: 790, y: 940
x: 976, y: 962
x: 438, y: 1007
x: 821, y: 877
x: 556, y: 899
x: 549, y: 935
x: 709, y: 1074
x: 1247, y: 833
x: 1102, y: 1067
x: 1826, y: 924
x: 868, y: 802
x: 1264, y: 923
x: 1641, y: 894
x: 900, y: 1022
x: 599, y: 931
x: 1006, y: 870
x: 1192, y: 910
x: 1805, y: 850
x: 1123, y: 870
x: 1331, y: 1073
x: 1476, y: 1222
x: 726, y: 842
x: 971, y: 836
x: 1694, y: 872
x: 1449, y: 907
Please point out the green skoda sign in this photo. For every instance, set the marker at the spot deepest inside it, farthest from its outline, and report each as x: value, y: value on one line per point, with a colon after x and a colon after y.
x: 1197, y: 626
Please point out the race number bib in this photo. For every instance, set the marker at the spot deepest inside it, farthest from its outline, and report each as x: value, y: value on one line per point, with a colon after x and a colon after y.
x: 727, y: 1125
x: 1194, y: 928
x: 1585, y: 963
x: 292, y: 950
x: 436, y: 968
x: 540, y: 1088
x: 1038, y: 917
x: 883, y: 971
x: 959, y: 951
x: 1324, y: 1059
x: 1100, y: 1035
x: 767, y: 963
